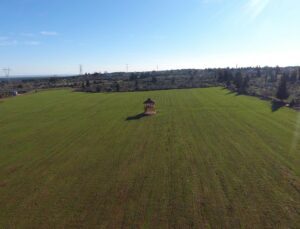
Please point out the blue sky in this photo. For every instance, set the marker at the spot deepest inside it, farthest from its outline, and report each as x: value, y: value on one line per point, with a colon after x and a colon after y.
x: 54, y: 37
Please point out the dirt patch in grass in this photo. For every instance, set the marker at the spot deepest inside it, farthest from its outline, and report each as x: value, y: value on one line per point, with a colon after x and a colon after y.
x: 13, y: 169
x: 291, y: 179
x: 3, y: 184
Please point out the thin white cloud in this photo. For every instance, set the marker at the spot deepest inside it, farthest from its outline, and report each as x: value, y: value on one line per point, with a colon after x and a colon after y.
x: 27, y: 34
x: 7, y: 42
x: 256, y: 7
x: 48, y: 33
x: 31, y: 43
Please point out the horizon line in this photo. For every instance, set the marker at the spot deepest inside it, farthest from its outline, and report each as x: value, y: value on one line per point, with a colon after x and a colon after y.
x: 154, y: 70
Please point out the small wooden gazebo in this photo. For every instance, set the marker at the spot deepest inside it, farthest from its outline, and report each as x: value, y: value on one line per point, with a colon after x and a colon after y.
x: 149, y: 106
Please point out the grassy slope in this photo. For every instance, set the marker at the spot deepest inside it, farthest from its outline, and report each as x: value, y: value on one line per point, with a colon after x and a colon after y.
x: 208, y: 158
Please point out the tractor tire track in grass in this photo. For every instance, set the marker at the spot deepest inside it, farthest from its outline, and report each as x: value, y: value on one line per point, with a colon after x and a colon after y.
x: 208, y: 159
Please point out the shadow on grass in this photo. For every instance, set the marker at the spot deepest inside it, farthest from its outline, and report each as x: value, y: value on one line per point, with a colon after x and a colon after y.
x: 234, y: 93
x: 230, y: 92
x: 276, y: 105
x: 136, y: 117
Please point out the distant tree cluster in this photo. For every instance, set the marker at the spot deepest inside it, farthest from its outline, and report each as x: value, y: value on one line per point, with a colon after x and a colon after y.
x: 234, y: 80
x: 266, y: 82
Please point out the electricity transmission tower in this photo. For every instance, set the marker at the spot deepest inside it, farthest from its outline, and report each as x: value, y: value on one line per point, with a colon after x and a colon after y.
x: 6, y: 72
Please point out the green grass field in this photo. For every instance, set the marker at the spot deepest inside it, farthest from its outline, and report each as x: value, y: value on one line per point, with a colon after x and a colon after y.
x: 208, y: 159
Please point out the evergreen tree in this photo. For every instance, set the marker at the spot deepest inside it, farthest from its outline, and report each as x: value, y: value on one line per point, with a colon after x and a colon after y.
x: 293, y: 77
x: 292, y: 103
x: 98, y: 89
x: 278, y: 70
x: 238, y: 80
x: 245, y: 85
x: 228, y: 78
x: 258, y: 72
x: 173, y: 80
x: 132, y: 77
x: 282, y: 92
x: 228, y: 83
x: 154, y: 79
x: 220, y: 76
x: 117, y: 87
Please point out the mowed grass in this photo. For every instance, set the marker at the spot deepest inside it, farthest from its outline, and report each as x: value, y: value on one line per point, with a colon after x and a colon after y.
x: 208, y: 159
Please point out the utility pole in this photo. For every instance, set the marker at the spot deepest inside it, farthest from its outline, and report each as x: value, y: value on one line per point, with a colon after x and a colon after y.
x: 80, y: 70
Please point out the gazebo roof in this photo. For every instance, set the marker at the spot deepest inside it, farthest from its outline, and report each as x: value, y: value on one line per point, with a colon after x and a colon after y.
x: 149, y: 101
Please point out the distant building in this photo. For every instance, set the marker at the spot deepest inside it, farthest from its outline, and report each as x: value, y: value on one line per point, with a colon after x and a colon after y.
x: 149, y: 106
x: 10, y: 93
x: 15, y: 93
